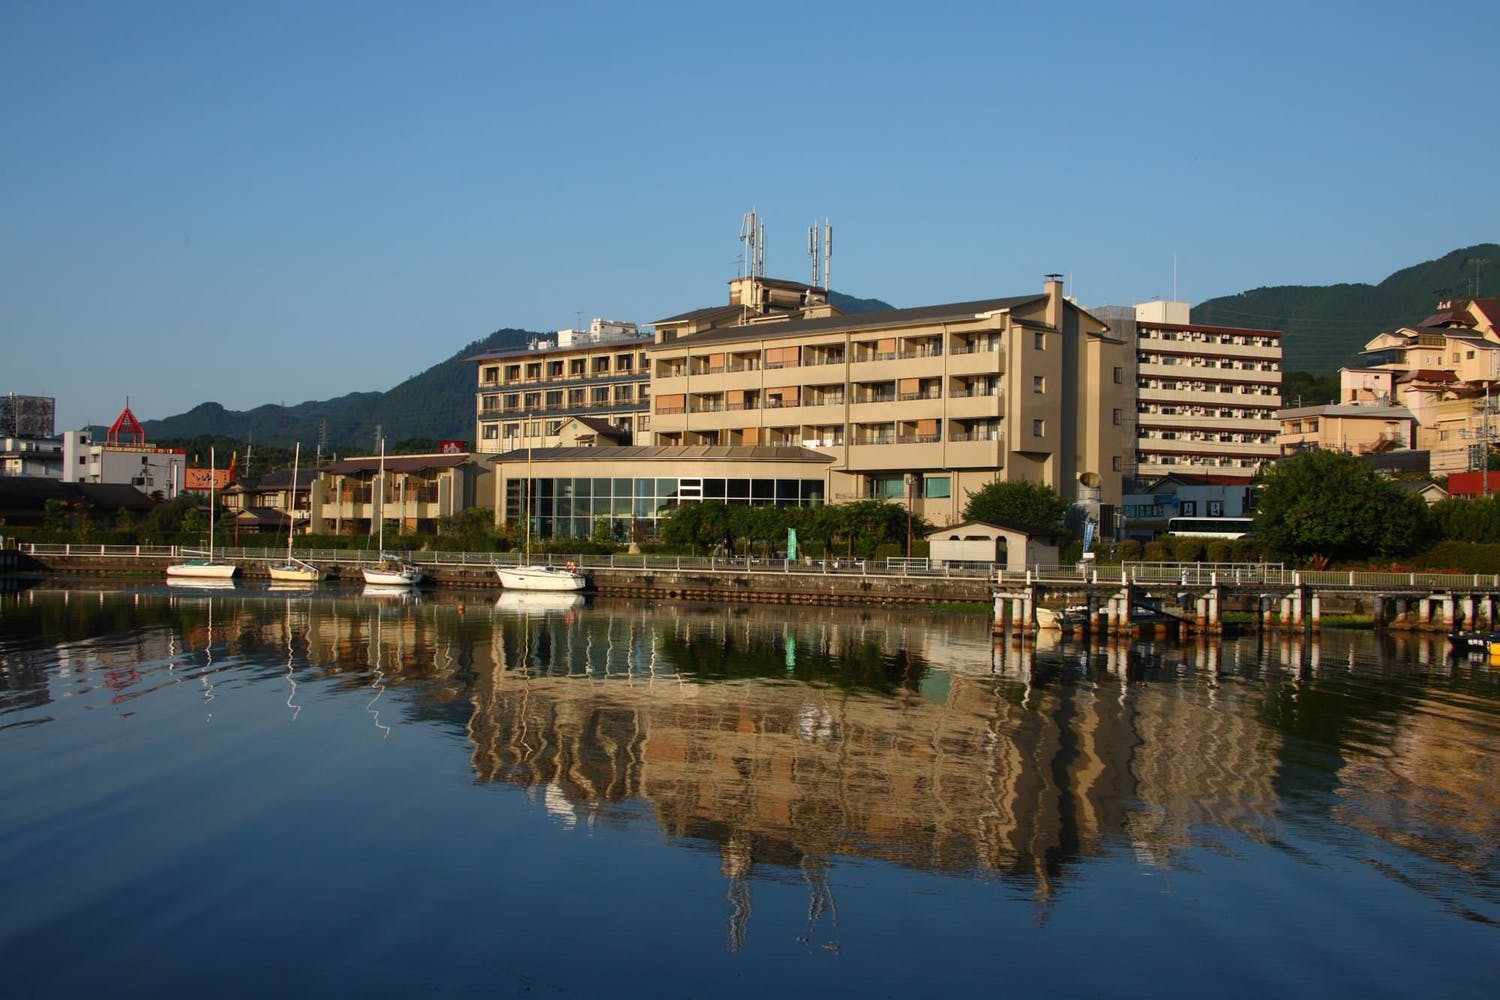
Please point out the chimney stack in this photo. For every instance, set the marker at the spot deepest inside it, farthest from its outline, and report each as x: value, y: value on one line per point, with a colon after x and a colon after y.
x: 1053, y: 286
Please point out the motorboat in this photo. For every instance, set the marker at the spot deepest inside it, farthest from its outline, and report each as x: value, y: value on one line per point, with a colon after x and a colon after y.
x: 1066, y: 619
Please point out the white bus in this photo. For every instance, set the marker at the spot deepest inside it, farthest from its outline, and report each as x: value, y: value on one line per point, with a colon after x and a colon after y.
x: 1210, y: 527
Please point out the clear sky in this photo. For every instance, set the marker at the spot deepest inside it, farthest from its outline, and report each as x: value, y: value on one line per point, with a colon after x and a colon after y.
x: 274, y: 202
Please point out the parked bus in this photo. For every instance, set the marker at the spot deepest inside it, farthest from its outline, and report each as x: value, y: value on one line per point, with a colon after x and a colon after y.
x: 1210, y: 527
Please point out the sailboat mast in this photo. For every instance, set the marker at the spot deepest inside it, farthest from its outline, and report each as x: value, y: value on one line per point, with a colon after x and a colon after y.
x: 291, y: 521
x: 211, y: 477
x: 380, y: 503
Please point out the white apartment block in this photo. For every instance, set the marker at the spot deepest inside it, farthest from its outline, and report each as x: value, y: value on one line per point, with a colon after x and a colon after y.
x: 1207, y: 396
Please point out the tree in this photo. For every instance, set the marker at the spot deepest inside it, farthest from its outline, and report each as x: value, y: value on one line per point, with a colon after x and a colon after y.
x: 1017, y: 502
x: 1326, y: 506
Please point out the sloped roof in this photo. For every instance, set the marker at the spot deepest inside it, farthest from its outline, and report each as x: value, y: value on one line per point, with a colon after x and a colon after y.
x: 31, y: 493
x: 950, y: 311
x: 667, y: 453
x: 395, y: 463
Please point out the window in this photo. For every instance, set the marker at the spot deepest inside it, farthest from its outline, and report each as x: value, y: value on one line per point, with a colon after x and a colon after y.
x: 492, y: 375
x: 1119, y: 376
x: 1117, y: 463
x: 1038, y: 342
x: 935, y: 487
x: 1189, y: 508
x: 1117, y: 418
x: 491, y: 432
x: 1038, y: 384
x: 1039, y: 428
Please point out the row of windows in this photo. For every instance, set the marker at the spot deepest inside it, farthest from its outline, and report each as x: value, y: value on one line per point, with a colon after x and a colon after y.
x: 551, y: 428
x: 1197, y: 337
x: 1224, y: 437
x: 560, y: 368
x: 1226, y: 388
x: 1190, y: 362
x: 575, y: 506
x: 552, y: 399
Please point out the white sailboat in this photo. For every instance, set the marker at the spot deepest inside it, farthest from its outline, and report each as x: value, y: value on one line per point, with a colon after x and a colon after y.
x: 391, y: 570
x: 205, y: 567
x: 294, y: 570
x: 529, y: 575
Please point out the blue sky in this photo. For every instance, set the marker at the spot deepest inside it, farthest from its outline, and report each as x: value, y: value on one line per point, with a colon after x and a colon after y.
x: 271, y: 202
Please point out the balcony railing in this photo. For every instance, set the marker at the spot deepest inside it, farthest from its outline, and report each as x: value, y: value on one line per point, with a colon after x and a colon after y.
x: 928, y: 394
x: 918, y: 438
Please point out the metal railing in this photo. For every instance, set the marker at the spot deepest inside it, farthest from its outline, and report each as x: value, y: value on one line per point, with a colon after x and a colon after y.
x: 1140, y: 573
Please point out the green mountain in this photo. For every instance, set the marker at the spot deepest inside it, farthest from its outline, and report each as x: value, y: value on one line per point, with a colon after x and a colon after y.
x: 1325, y: 327
x: 436, y: 404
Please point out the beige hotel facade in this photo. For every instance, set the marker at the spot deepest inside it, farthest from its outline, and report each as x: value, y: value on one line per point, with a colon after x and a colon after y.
x: 920, y: 406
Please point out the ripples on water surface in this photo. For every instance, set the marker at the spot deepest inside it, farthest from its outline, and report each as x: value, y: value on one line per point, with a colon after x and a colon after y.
x: 332, y: 794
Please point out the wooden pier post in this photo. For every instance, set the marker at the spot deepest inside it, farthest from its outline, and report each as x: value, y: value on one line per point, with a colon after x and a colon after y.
x: 1317, y: 610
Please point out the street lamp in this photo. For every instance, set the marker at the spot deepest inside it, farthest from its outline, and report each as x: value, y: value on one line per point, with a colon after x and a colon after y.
x: 911, y: 483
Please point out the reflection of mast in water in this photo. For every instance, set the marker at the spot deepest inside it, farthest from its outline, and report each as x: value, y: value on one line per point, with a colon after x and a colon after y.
x: 208, y: 662
x: 377, y: 682
x: 735, y: 865
x: 291, y: 680
x: 820, y: 899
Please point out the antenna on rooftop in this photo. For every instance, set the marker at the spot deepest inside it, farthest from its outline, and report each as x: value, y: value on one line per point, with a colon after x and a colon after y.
x: 820, y: 249
x: 753, y: 235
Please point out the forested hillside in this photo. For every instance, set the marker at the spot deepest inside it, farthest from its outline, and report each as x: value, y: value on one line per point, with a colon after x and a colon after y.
x: 436, y: 404
x: 1326, y: 326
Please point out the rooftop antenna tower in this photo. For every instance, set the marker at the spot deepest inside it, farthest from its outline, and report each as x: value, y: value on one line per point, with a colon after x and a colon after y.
x: 753, y: 235
x: 820, y: 249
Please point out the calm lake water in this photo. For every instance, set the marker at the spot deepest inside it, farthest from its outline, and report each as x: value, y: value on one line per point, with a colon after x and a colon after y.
x: 329, y: 794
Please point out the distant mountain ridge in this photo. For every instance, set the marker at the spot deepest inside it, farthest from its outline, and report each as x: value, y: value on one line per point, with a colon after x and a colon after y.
x: 1325, y: 327
x: 437, y: 403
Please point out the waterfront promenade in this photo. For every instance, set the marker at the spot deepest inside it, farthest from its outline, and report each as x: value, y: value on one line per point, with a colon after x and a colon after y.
x: 1190, y: 595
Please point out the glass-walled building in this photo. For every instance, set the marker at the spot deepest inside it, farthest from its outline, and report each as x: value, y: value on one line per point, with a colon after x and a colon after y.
x: 629, y: 490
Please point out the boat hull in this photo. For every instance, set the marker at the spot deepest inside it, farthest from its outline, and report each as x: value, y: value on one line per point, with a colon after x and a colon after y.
x: 295, y: 574
x: 553, y: 578
x: 406, y: 576
x: 202, y: 569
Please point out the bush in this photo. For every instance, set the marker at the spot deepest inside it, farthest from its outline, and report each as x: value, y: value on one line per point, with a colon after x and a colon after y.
x: 1156, y: 551
x: 1129, y: 550
x: 1187, y: 549
x: 1460, y: 557
x: 1219, y: 550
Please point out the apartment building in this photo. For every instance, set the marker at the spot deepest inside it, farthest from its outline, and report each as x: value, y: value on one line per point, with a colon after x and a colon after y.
x: 599, y: 375
x: 1446, y: 372
x: 922, y: 405
x: 1207, y: 396
x: 350, y: 496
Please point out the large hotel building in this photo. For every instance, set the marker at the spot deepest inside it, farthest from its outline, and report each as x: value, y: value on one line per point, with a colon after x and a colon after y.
x: 778, y: 397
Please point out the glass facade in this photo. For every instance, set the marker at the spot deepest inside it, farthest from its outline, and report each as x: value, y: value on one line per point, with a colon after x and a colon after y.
x: 574, y: 506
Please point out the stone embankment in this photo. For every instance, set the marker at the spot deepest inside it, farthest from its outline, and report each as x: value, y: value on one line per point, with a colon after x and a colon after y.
x: 718, y: 582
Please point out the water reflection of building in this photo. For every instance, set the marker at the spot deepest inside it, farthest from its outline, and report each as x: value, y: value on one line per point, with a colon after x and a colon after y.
x: 975, y: 774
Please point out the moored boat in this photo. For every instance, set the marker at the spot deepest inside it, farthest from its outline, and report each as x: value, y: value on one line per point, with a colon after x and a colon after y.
x: 203, y: 566
x: 532, y: 577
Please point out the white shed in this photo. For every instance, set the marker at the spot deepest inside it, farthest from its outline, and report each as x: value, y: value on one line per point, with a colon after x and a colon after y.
x: 1009, y: 546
